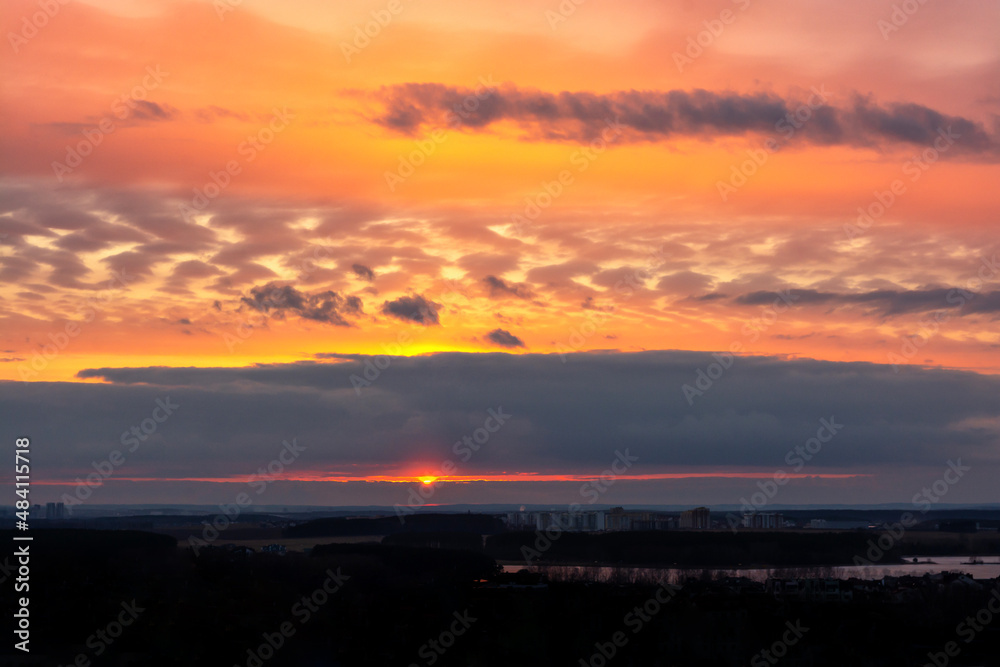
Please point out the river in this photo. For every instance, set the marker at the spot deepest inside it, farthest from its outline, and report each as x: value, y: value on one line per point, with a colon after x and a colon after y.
x: 990, y: 569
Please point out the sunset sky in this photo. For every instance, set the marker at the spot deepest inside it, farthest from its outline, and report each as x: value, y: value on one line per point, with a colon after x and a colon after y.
x: 364, y: 225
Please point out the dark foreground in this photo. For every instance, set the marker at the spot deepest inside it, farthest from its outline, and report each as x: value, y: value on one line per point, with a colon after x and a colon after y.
x: 126, y: 598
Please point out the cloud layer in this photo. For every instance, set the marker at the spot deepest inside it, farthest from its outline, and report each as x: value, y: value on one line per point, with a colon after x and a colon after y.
x: 567, y: 416
x: 662, y: 115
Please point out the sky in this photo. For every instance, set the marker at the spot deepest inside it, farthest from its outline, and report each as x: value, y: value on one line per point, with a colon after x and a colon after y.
x: 676, y: 235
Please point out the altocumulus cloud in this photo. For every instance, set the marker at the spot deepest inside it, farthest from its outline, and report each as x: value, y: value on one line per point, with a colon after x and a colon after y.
x: 499, y: 287
x: 363, y: 272
x: 887, y: 302
x: 412, y: 308
x: 504, y: 338
x: 325, y: 306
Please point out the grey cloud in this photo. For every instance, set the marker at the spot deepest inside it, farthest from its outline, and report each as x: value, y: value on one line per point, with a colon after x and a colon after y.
x: 363, y: 272
x: 412, y: 308
x: 504, y: 338
x: 915, y: 124
x: 498, y: 287
x: 67, y: 269
x: 213, y: 112
x: 889, y: 302
x: 684, y: 282
x: 566, y: 416
x: 657, y: 115
x: 328, y: 307
x: 146, y: 110
x: 139, y: 111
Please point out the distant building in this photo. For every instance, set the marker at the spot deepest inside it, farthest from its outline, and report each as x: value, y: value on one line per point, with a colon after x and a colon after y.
x: 55, y: 511
x: 279, y: 549
x: 698, y: 518
x: 615, y: 519
x: 823, y: 524
x: 619, y: 519
x: 575, y: 521
x: 769, y: 520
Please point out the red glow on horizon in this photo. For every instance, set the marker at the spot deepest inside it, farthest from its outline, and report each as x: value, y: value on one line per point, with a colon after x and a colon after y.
x: 503, y: 477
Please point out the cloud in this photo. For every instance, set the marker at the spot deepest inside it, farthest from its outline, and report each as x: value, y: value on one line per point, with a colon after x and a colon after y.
x: 139, y: 113
x: 590, y: 304
x: 414, y: 309
x: 915, y: 124
x: 565, y: 419
x: 504, y: 338
x: 184, y: 272
x: 328, y: 307
x: 889, y: 302
x: 498, y: 287
x: 363, y: 272
x: 660, y: 115
x: 146, y: 110
x: 212, y: 112
x: 99, y: 235
x: 684, y: 282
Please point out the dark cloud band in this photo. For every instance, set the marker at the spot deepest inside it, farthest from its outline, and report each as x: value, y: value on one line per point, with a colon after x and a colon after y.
x: 658, y: 115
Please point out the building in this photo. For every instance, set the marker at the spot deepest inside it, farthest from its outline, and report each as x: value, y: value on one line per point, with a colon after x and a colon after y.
x: 769, y: 520
x: 823, y: 524
x: 698, y: 518
x: 55, y: 511
x: 575, y: 521
x: 615, y: 519
x: 618, y: 518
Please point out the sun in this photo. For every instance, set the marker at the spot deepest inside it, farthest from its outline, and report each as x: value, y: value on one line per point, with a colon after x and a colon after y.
x: 428, y: 480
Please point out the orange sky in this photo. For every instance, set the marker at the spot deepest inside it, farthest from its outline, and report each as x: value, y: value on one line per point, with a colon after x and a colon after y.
x: 118, y: 115
x: 320, y: 183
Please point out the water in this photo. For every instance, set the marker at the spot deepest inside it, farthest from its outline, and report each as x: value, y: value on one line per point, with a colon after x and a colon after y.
x: 990, y: 569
